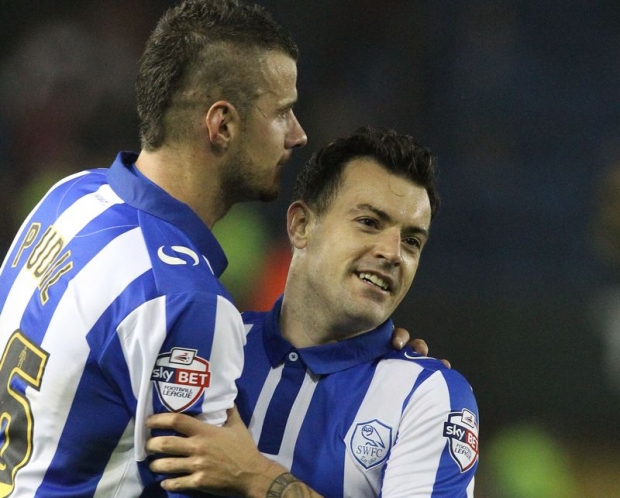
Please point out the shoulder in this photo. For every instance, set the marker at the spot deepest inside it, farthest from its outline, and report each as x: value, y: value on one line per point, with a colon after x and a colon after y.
x: 71, y: 189
x: 177, y: 263
x: 424, y: 362
x: 432, y: 371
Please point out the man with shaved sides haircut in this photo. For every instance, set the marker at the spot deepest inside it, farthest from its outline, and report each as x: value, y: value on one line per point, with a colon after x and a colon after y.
x: 111, y: 308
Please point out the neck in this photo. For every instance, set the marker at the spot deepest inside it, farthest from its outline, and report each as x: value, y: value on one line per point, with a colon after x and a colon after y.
x: 293, y: 325
x: 189, y: 176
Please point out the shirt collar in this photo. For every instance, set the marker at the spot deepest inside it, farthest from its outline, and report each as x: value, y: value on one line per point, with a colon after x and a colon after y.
x: 141, y: 193
x: 327, y: 358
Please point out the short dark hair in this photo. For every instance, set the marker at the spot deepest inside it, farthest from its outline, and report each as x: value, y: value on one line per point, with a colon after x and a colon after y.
x: 320, y: 178
x: 202, y: 51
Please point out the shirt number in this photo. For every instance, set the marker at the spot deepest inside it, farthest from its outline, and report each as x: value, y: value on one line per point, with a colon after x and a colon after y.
x: 22, y: 365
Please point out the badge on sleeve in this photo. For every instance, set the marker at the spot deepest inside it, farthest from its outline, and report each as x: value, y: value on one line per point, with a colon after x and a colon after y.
x: 461, y: 430
x: 180, y: 377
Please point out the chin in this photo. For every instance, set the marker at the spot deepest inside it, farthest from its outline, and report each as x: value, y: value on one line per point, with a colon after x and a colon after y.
x: 368, y: 320
x: 269, y: 195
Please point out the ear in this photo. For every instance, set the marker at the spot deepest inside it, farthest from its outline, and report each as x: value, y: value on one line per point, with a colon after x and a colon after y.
x: 222, y: 121
x: 300, y: 220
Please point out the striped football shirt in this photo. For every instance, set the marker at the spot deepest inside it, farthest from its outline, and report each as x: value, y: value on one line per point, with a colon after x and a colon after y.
x: 356, y: 419
x: 110, y: 310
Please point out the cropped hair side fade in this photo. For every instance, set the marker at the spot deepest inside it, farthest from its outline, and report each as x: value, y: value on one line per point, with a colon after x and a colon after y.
x: 202, y: 51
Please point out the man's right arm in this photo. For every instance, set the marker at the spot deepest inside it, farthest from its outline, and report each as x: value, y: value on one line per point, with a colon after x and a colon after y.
x: 219, y: 459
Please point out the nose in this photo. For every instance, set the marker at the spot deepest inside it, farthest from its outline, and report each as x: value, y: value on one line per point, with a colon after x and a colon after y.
x: 296, y: 136
x: 388, y: 246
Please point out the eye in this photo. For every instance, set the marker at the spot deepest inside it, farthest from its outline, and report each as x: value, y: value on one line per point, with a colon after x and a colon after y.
x: 413, y: 242
x: 369, y: 222
x: 284, y: 114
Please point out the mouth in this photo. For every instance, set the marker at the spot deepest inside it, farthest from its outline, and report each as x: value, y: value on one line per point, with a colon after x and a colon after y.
x: 377, y: 281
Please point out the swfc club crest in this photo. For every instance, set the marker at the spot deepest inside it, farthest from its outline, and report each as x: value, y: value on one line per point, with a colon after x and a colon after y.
x: 371, y: 443
x: 180, y: 378
x: 461, y: 430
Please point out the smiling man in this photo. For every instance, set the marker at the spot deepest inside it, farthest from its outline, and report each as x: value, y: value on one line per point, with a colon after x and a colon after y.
x: 333, y: 410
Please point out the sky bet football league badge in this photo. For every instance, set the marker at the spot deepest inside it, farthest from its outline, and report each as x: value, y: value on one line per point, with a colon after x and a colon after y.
x: 462, y: 433
x: 180, y: 378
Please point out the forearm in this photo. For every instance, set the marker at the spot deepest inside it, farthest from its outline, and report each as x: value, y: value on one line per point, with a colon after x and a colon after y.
x: 277, y: 482
x: 221, y: 460
x: 286, y: 485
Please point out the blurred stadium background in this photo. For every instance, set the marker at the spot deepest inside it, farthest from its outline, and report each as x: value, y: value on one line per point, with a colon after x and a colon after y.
x: 520, y: 101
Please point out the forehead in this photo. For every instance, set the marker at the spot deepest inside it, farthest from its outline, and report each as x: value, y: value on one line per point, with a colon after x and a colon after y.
x: 365, y: 182
x: 278, y: 78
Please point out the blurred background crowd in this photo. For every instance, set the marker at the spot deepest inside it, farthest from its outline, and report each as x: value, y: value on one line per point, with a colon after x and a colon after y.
x: 520, y: 284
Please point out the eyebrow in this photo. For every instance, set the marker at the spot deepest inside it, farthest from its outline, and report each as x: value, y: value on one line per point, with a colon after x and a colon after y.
x: 288, y: 103
x: 383, y: 216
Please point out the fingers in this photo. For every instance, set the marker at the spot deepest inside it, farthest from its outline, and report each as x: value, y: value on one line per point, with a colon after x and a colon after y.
x: 177, y: 483
x: 170, y: 466
x: 195, y: 482
x: 446, y: 363
x: 419, y: 346
x: 399, y: 338
x: 180, y: 483
x: 176, y: 421
x: 174, y: 445
x: 170, y: 445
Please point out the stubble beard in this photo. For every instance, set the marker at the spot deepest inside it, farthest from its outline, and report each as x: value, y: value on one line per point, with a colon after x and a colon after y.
x: 240, y: 183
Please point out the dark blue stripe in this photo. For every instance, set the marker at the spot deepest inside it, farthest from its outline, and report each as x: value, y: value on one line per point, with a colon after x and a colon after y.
x: 280, y: 406
x: 93, y: 406
x: 254, y: 373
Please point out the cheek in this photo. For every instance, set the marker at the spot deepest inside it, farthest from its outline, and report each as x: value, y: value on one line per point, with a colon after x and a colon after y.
x: 279, y: 131
x: 326, y: 250
x: 409, y: 273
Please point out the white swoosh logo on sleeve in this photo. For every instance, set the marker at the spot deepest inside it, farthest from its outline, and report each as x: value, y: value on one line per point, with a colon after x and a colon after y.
x: 175, y: 260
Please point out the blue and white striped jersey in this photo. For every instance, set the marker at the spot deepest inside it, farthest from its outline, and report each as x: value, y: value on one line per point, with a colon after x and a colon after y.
x: 110, y: 310
x: 356, y: 419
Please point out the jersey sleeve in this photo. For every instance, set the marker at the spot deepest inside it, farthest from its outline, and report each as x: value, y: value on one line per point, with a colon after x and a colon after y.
x: 183, y: 353
x: 436, y: 451
x: 200, y: 358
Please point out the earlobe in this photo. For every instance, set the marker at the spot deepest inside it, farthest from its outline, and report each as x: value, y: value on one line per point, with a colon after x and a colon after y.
x: 221, y: 122
x: 299, y: 220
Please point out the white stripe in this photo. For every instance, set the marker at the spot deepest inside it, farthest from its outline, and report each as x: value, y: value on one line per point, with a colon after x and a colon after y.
x: 295, y: 420
x: 87, y: 296
x: 420, y: 442
x: 470, y: 488
x: 391, y: 384
x: 121, y: 478
x: 262, y: 403
x: 141, y: 334
x: 225, y: 362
